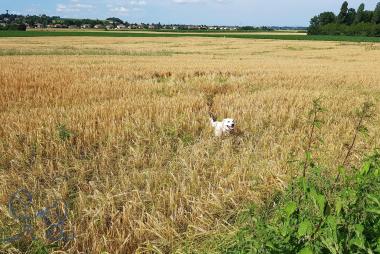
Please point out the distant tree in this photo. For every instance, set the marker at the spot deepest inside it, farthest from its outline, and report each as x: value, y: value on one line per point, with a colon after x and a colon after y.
x: 367, y: 16
x: 343, y: 13
x: 115, y: 20
x: 348, y: 22
x: 350, y: 18
x: 376, y: 14
x: 21, y: 27
x: 326, y: 18
x: 359, y: 14
x: 314, y: 27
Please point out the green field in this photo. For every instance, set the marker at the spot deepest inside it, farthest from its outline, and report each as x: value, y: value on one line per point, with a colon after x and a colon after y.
x: 215, y: 35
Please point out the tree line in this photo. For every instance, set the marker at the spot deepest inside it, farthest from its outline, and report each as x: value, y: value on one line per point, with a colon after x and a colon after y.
x: 349, y: 21
x: 21, y: 22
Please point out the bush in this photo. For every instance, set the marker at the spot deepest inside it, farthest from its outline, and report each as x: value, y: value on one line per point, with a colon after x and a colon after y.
x: 17, y: 27
x: 360, y: 29
x: 344, y: 220
x: 319, y: 213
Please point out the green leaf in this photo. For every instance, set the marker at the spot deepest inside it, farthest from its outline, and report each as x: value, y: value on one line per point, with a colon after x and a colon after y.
x: 365, y: 168
x: 305, y: 228
x: 306, y: 250
x: 373, y: 199
x: 373, y: 210
x: 330, y: 244
x: 342, y: 170
x: 338, y: 205
x: 304, y: 184
x: 359, y: 228
x: 358, y: 242
x: 308, y: 156
x: 332, y: 222
x: 290, y: 208
x: 321, y: 201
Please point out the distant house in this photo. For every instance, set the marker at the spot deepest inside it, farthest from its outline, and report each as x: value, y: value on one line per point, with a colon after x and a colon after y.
x: 86, y: 26
x: 38, y: 25
x: 109, y: 27
x: 73, y: 27
x: 99, y: 26
x: 121, y: 26
x: 59, y: 26
x: 175, y: 27
x: 151, y: 27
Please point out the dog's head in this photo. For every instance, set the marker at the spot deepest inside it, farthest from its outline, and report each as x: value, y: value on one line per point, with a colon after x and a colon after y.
x: 229, y: 124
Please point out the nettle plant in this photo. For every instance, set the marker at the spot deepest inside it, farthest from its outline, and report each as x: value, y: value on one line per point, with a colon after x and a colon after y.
x: 319, y: 214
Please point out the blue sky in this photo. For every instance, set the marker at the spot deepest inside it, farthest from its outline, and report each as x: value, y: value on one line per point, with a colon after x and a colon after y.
x: 209, y: 12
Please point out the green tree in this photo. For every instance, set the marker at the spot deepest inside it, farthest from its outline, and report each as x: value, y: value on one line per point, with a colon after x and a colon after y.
x: 351, y: 15
x: 326, y: 18
x: 359, y: 14
x: 367, y: 16
x: 314, y: 27
x: 343, y: 13
x: 376, y: 14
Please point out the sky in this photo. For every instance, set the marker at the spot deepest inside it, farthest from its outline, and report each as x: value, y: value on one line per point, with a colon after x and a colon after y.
x: 207, y: 12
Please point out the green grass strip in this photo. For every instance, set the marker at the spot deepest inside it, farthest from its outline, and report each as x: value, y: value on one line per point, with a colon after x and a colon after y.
x: 212, y: 35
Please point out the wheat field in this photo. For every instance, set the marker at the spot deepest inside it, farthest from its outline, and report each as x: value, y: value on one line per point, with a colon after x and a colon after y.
x: 118, y: 128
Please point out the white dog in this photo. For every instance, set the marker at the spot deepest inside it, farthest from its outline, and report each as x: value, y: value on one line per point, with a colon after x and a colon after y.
x: 224, y: 127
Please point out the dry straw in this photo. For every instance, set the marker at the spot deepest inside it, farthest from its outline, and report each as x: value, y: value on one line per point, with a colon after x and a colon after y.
x: 118, y: 127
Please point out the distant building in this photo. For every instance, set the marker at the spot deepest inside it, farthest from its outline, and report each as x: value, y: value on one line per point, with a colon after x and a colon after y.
x: 59, y: 26
x: 109, y: 27
x: 99, y: 26
x: 73, y: 27
x: 38, y: 25
x: 191, y: 27
x: 86, y: 26
x: 120, y: 26
x: 151, y: 27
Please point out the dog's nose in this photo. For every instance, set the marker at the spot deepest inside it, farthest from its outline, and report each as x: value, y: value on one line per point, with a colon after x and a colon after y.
x: 233, y: 125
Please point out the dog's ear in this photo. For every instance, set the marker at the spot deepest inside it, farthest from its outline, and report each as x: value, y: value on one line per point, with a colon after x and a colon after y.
x: 212, y: 116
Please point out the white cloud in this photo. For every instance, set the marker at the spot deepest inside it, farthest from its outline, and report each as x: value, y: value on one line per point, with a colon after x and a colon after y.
x: 186, y: 1
x: 74, y: 7
x: 119, y: 9
x: 125, y: 7
x: 139, y: 3
x: 198, y: 1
